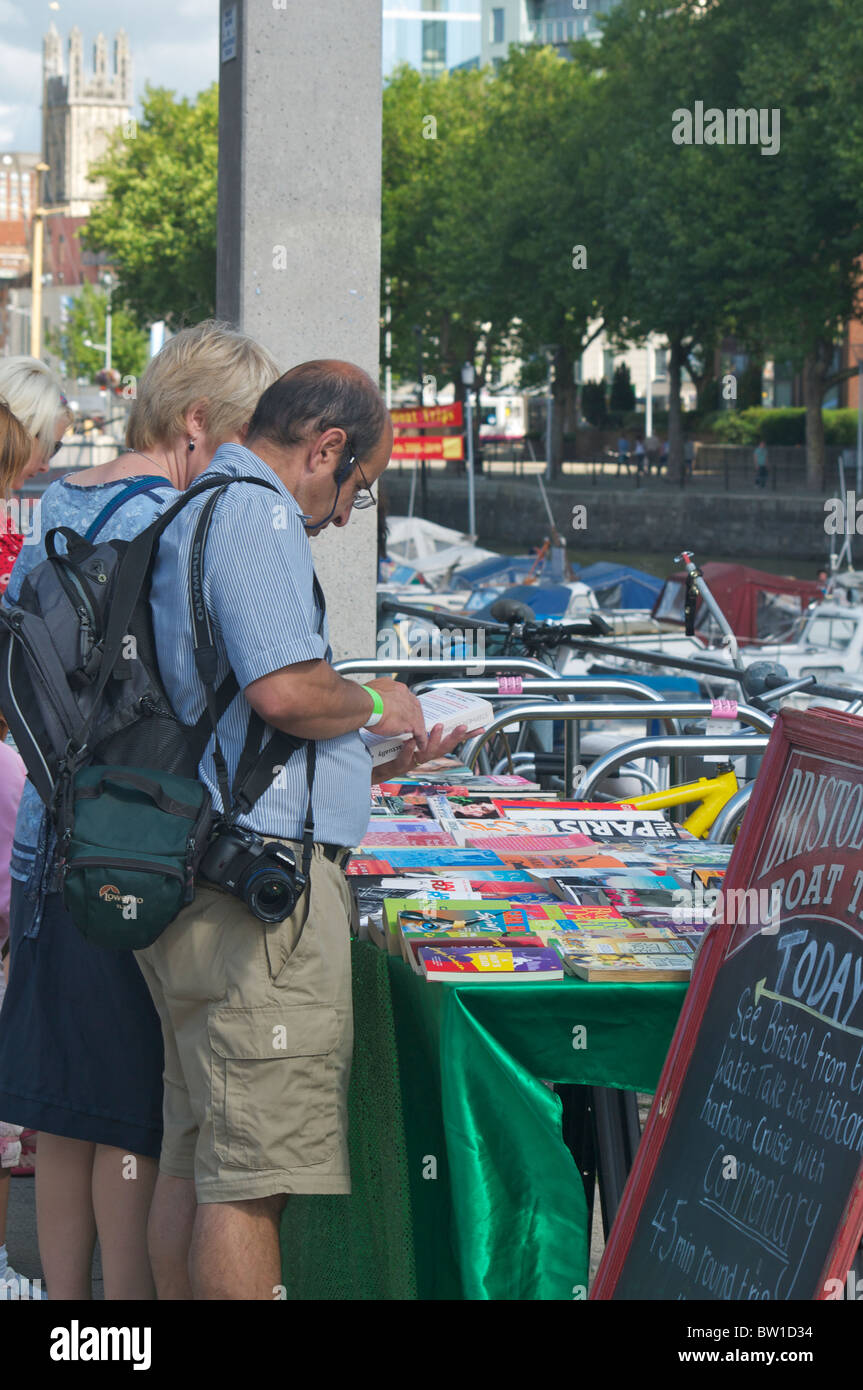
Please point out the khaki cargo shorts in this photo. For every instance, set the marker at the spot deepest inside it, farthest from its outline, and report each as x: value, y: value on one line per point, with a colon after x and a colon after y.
x: 258, y: 1027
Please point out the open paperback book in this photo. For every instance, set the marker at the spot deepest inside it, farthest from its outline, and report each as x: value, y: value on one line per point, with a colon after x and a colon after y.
x: 445, y: 706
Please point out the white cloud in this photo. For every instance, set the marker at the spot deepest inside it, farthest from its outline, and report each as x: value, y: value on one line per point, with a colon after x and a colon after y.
x: 11, y: 14
x: 184, y: 68
x: 196, y: 9
x: 20, y: 72
x: 21, y: 85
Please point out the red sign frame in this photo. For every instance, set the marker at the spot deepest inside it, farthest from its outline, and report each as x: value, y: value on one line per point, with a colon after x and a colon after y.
x: 817, y: 735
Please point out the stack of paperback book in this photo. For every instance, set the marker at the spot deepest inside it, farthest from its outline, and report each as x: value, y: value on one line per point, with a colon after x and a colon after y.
x: 487, y: 880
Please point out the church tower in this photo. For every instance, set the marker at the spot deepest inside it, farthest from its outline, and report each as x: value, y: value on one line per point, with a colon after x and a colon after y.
x: 80, y: 110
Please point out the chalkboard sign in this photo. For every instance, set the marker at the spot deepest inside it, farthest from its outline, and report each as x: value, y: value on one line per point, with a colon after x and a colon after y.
x: 748, y: 1183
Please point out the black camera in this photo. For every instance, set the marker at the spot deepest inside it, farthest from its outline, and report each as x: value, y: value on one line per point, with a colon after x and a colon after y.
x: 263, y: 873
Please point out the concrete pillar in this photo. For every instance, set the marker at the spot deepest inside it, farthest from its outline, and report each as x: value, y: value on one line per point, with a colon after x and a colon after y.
x: 299, y: 221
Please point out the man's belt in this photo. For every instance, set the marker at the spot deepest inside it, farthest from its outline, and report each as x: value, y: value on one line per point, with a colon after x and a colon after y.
x: 337, y: 854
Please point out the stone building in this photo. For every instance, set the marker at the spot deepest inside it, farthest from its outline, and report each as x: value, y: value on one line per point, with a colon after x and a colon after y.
x: 80, y: 110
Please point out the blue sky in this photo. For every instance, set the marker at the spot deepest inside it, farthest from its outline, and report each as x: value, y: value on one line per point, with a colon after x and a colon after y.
x: 174, y: 44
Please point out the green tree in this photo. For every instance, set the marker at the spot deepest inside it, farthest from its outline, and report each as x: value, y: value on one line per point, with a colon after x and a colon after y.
x: 719, y: 237
x: 795, y: 266
x: 664, y: 205
x: 157, y: 224
x: 441, y: 248
x: 550, y: 217
x: 622, y: 396
x: 87, y: 320
x: 593, y: 402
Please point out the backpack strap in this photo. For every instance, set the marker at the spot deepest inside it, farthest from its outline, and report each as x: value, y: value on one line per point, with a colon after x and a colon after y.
x: 132, y: 574
x: 255, y: 769
x: 257, y: 766
x: 150, y: 485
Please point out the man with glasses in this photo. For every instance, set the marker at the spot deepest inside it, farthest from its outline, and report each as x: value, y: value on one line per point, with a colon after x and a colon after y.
x: 257, y: 1016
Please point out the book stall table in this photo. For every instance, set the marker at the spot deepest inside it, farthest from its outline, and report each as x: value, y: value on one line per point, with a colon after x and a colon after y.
x: 463, y: 1186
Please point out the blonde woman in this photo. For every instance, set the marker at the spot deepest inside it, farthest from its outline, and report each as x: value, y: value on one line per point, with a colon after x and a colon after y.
x: 38, y: 417
x: 80, y: 1042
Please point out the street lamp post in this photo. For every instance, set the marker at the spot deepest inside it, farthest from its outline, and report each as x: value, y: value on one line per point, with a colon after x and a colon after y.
x: 36, y: 271
x: 468, y: 376
x: 549, y: 418
x: 388, y: 346
x: 418, y: 334
x: 648, y: 395
x: 859, y: 355
x: 108, y: 282
x: 40, y: 212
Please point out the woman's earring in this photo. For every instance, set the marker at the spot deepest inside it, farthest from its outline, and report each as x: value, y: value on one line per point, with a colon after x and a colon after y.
x: 191, y: 446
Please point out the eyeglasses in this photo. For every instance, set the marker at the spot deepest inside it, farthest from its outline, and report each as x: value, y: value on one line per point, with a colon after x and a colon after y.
x: 363, y: 499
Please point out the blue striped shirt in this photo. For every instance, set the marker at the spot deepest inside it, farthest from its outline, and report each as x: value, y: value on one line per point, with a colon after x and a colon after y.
x: 258, y: 588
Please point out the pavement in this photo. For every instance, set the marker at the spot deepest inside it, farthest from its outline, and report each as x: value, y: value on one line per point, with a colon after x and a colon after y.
x: 23, y: 1246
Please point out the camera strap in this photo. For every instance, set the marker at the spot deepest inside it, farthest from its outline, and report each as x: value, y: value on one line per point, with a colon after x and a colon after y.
x: 258, y: 766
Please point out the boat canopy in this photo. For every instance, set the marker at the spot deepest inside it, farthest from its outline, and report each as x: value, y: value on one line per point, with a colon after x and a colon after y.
x: 759, y: 606
x: 621, y: 586
x: 497, y: 571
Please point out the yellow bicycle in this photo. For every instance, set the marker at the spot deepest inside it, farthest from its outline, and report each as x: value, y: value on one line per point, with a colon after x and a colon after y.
x: 711, y: 794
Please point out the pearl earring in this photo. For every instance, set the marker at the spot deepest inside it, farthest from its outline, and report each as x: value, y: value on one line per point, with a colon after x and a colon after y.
x: 191, y: 446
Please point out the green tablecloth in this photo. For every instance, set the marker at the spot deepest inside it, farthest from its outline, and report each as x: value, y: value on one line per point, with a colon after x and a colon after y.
x: 463, y: 1186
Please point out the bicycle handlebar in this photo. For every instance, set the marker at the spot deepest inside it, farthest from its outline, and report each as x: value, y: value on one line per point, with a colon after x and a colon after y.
x: 779, y: 687
x: 534, y: 633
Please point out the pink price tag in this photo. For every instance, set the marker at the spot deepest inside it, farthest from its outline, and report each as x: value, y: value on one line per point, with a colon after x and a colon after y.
x: 509, y: 685
x: 723, y: 709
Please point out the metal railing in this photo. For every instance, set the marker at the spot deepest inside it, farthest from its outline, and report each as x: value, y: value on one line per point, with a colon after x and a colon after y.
x: 729, y: 818
x: 560, y: 687
x: 666, y: 711
x: 705, y: 745
x: 405, y: 666
x: 550, y: 692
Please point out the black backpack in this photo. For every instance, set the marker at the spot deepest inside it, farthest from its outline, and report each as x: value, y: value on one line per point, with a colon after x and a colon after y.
x: 81, y: 692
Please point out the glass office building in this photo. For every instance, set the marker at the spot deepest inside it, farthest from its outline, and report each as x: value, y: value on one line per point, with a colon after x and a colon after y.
x: 431, y: 35
x: 555, y: 22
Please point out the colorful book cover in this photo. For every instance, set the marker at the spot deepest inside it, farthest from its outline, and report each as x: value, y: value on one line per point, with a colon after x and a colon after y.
x: 610, y: 948
x: 384, y: 839
x: 578, y: 858
x: 518, y: 893
x: 398, y: 859
x: 556, y: 807
x: 622, y: 939
x: 493, y: 916
x: 597, y: 821
x: 468, y: 830
x: 477, y: 965
x: 412, y: 945
x: 529, y: 844
x: 591, y: 918
x: 421, y: 915
x: 628, y: 967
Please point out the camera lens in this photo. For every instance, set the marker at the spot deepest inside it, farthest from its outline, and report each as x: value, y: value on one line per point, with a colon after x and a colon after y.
x: 270, y: 895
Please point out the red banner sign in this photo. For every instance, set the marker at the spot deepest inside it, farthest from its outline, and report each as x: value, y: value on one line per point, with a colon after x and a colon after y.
x: 440, y: 446
x: 420, y: 416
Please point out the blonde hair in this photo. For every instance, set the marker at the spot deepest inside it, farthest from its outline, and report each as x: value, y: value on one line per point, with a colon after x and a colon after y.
x: 15, y: 449
x: 33, y: 394
x: 211, y: 362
